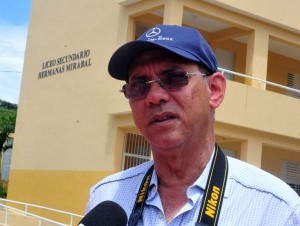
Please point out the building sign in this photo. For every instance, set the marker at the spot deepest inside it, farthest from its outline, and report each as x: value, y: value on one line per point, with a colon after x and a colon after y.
x: 65, y: 63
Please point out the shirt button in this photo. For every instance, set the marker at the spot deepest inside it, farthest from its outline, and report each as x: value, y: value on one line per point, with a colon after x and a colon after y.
x: 161, y: 215
x: 154, y: 189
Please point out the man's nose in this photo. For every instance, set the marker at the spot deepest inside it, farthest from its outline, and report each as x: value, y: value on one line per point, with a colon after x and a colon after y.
x: 157, y: 94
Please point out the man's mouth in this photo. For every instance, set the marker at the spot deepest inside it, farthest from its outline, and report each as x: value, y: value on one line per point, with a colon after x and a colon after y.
x: 165, y: 118
x: 162, y: 118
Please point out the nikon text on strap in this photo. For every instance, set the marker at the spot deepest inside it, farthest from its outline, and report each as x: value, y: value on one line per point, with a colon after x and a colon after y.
x: 214, y: 191
x: 213, y: 194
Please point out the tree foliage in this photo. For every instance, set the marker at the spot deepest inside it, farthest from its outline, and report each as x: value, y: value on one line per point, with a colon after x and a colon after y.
x: 8, y: 114
x: 8, y: 105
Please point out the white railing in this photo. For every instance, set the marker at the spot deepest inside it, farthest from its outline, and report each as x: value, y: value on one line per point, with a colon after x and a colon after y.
x: 222, y: 70
x: 26, y: 212
x: 40, y: 219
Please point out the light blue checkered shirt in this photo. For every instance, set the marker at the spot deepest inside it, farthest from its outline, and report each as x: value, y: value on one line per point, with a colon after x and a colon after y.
x: 252, y: 197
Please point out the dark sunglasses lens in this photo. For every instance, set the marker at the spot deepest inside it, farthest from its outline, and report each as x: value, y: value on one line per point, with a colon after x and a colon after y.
x: 174, y: 80
x: 135, y: 90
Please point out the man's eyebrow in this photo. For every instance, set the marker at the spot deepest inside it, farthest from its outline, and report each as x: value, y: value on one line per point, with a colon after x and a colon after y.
x: 163, y: 71
x: 138, y: 77
x: 170, y: 69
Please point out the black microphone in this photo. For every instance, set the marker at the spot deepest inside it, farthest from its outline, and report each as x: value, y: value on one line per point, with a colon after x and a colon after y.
x: 107, y: 213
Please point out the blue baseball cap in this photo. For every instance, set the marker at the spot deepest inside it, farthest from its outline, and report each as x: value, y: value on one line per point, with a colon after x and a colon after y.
x: 183, y: 41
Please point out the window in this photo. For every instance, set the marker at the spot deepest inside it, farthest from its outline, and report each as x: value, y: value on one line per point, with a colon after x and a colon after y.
x: 229, y: 153
x: 293, y: 81
x: 136, y: 150
x: 291, y: 174
x: 226, y: 60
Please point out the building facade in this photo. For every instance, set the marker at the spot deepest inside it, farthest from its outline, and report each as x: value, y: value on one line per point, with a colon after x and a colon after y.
x: 74, y: 127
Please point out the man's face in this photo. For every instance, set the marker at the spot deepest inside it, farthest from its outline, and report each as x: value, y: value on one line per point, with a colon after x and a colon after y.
x: 170, y: 119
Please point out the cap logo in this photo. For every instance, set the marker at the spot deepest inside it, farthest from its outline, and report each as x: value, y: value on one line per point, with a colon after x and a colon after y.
x: 153, y: 32
x: 153, y: 35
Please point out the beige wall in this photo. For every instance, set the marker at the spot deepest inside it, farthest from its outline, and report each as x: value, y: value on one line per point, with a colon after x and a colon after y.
x: 66, y: 110
x: 273, y: 156
x: 70, y: 126
x: 273, y: 11
x: 61, y: 133
x: 278, y: 72
x: 58, y: 189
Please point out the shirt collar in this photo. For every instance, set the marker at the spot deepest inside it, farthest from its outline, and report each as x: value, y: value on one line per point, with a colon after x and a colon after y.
x: 200, y: 182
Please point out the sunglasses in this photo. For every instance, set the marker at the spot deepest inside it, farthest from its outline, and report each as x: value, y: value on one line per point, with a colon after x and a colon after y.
x: 173, y: 80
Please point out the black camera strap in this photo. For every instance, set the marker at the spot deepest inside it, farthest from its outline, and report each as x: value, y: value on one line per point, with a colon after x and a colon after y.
x: 214, y: 191
x: 213, y: 194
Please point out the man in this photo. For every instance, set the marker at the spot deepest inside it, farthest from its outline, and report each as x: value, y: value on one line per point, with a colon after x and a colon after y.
x: 173, y: 88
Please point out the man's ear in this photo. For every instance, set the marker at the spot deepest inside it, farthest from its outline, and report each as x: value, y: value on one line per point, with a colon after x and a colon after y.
x: 217, y: 86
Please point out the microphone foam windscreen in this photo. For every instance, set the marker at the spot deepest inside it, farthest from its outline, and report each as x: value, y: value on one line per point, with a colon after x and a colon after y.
x: 106, y: 213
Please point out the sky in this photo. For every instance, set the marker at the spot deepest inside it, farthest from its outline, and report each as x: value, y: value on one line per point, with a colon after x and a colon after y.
x: 14, y: 20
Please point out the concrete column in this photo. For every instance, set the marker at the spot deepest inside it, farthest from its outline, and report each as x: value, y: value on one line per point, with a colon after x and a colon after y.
x: 257, y: 56
x: 173, y: 12
x: 251, y: 152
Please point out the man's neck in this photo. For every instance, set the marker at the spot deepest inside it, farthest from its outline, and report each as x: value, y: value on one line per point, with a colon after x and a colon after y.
x: 181, y: 167
x: 176, y: 172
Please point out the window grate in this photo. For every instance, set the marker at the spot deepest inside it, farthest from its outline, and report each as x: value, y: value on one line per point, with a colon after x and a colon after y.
x: 291, y: 174
x: 136, y: 150
x: 296, y: 187
x: 293, y: 81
